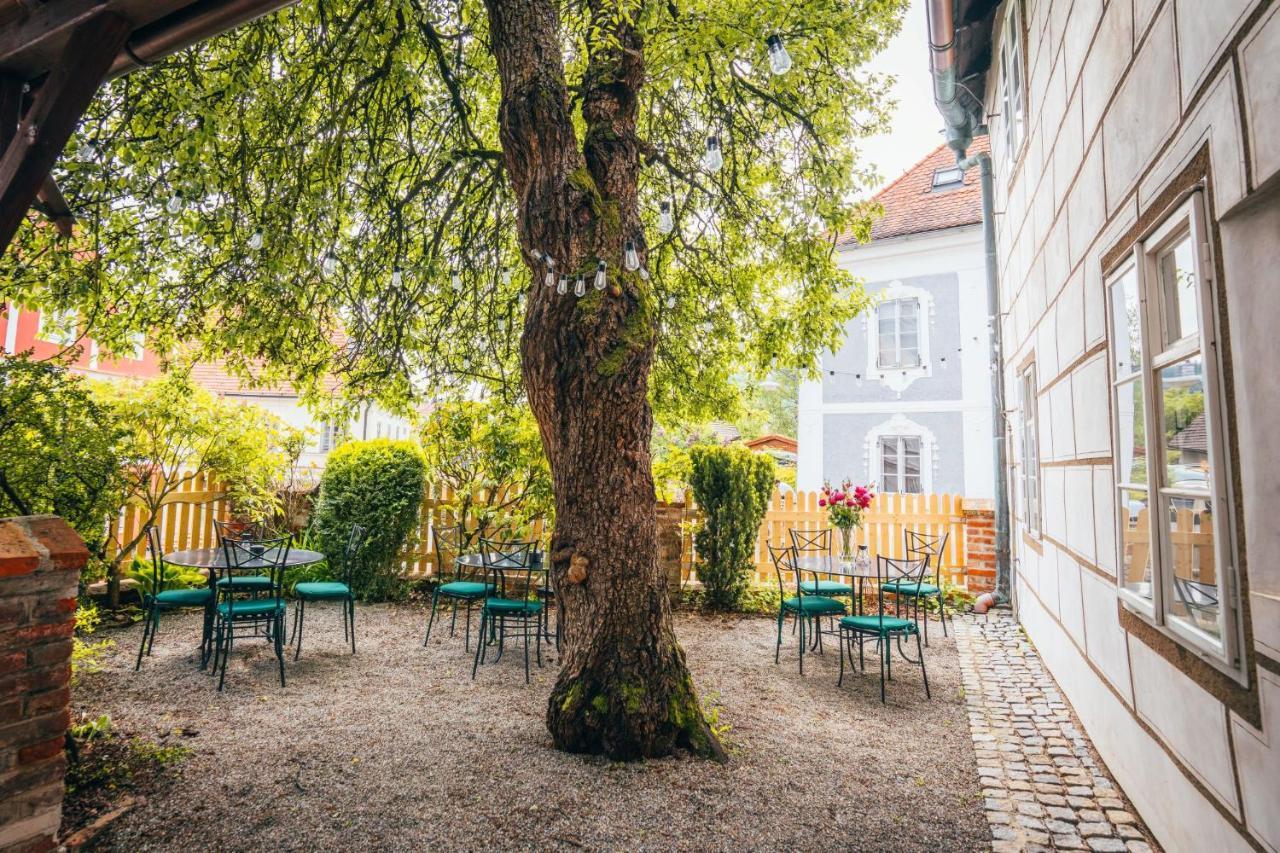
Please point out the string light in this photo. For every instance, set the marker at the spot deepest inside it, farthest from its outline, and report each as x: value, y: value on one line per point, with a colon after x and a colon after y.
x: 779, y: 59
x: 580, y: 288
x: 562, y: 286
x: 174, y: 204
x: 506, y: 276
x: 255, y: 241
x: 644, y: 274
x: 600, y: 276
x: 397, y: 277
x: 330, y: 264
x: 455, y: 281
x: 671, y: 302
x: 630, y: 258
x: 713, y: 160
x: 666, y: 224
x: 551, y: 266
x: 87, y: 151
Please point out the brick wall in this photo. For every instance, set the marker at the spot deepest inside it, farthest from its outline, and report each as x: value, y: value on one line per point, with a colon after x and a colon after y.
x: 40, y: 562
x: 980, y: 546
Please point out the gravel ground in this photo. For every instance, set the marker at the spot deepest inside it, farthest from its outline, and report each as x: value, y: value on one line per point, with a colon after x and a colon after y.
x: 397, y: 748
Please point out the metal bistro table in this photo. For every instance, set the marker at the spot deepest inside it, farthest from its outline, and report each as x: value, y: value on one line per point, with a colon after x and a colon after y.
x: 476, y: 562
x: 833, y: 566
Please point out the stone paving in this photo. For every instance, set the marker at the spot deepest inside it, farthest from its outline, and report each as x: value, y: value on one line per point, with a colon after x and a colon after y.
x: 1043, y: 785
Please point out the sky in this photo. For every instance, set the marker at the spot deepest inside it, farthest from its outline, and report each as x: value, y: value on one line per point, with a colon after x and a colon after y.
x: 917, y: 126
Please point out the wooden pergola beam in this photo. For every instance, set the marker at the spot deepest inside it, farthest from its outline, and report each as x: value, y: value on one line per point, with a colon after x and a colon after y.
x: 54, y: 112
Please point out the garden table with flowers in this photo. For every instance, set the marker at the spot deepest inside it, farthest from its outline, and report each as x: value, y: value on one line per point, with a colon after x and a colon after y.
x: 844, y: 506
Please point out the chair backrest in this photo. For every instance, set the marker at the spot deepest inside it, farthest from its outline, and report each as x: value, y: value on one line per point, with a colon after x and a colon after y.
x: 355, y: 541
x: 907, y: 571
x: 157, y: 559
x: 811, y: 541
x: 787, y: 559
x: 256, y: 557
x: 510, y: 566
x: 448, y: 542
x: 927, y: 545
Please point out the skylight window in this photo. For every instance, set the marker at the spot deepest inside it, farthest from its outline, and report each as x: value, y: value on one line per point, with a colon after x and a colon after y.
x: 947, y: 178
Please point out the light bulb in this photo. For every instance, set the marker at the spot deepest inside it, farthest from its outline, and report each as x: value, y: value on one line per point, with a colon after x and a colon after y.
x: 644, y: 274
x: 329, y: 265
x: 397, y: 277
x: 551, y: 265
x: 630, y: 259
x: 600, y: 277
x: 174, y: 204
x: 579, y: 287
x: 86, y: 151
x: 665, y: 222
x: 506, y: 276
x: 943, y: 361
x: 713, y: 159
x: 779, y: 59
x: 455, y: 281
x: 255, y: 241
x: 857, y: 380
x: 562, y: 286
x: 671, y: 302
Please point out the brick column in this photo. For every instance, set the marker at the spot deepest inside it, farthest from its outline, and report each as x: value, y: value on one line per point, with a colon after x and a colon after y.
x: 670, y: 544
x: 980, y: 546
x: 40, y: 562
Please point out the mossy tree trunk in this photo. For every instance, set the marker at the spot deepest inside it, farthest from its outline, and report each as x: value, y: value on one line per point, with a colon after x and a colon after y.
x: 623, y: 690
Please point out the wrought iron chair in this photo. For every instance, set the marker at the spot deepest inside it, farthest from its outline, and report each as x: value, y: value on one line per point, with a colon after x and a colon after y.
x: 933, y: 548
x: 255, y: 532
x: 156, y: 600
x: 883, y: 628
x: 242, y: 608
x: 462, y: 586
x: 817, y: 543
x: 806, y: 607
x: 337, y: 590
x: 510, y: 568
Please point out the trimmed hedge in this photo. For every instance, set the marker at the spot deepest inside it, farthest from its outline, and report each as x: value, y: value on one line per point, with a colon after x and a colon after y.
x: 732, y: 486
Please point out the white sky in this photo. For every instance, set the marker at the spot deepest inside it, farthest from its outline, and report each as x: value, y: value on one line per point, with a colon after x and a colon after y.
x: 917, y: 126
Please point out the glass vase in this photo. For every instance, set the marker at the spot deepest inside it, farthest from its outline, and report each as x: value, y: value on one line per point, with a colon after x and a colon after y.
x: 846, y: 545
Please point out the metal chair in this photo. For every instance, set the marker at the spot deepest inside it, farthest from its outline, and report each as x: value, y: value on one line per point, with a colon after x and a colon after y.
x: 509, y: 566
x: 242, y: 606
x: 933, y: 548
x: 807, y: 607
x: 156, y: 600
x: 885, y: 628
x: 462, y: 587
x: 818, y: 544
x: 338, y: 590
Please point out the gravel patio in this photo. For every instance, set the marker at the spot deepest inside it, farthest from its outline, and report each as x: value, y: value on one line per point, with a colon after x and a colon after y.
x: 396, y: 748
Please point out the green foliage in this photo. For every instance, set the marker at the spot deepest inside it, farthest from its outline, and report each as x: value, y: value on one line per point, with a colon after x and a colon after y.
x: 58, y: 448
x: 86, y: 655
x: 96, y: 728
x: 489, y: 453
x: 370, y: 130
x: 756, y: 599
x: 173, y: 577
x: 378, y: 484
x: 310, y: 572
x: 732, y: 486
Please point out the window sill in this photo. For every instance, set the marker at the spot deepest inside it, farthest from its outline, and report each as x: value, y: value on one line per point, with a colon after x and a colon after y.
x: 1179, y: 647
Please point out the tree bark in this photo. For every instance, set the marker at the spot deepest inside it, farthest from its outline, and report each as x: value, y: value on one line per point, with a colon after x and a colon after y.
x: 623, y: 689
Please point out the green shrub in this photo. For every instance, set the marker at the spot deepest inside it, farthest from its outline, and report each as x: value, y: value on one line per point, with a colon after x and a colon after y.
x: 732, y: 486
x: 756, y: 599
x: 379, y: 485
x: 309, y: 572
x: 174, y: 577
x: 86, y: 655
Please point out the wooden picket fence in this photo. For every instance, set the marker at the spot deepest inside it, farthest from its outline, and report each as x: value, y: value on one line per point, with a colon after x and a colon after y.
x: 186, y: 521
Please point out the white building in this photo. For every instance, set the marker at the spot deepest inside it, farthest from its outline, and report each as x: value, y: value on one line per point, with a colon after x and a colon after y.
x: 906, y: 401
x: 1137, y: 198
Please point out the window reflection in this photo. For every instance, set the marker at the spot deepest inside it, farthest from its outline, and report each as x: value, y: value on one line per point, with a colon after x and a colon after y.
x: 1132, y: 432
x: 1186, y: 437
x: 1127, y: 322
x: 1135, y: 537
x: 1195, y: 578
x: 1176, y: 269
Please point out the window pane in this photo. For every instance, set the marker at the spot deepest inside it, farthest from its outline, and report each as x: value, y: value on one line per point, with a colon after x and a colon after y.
x: 1186, y: 437
x: 914, y: 485
x: 1175, y: 268
x: 1135, y: 541
x: 889, y: 464
x: 1125, y: 313
x: 1130, y: 422
x: 1189, y: 525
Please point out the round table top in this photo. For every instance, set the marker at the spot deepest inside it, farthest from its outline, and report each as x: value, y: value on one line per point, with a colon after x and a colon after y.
x: 476, y: 561
x: 825, y: 564
x: 216, y: 558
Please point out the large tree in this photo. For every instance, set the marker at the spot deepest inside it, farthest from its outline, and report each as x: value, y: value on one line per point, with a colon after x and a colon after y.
x: 383, y: 168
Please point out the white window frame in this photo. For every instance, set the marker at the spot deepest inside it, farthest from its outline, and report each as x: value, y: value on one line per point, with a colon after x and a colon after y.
x: 901, y: 452
x: 901, y: 425
x: 62, y: 327
x: 899, y: 378
x: 1187, y: 219
x: 1029, y: 473
x: 897, y: 362
x: 1013, y: 85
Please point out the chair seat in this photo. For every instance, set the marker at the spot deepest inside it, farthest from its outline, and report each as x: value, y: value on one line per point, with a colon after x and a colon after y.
x: 911, y: 588
x: 814, y: 604
x: 199, y: 597
x: 322, y: 589
x: 245, y: 582
x: 878, y: 624
x: 826, y: 588
x: 508, y: 606
x: 466, y: 589
x: 248, y: 609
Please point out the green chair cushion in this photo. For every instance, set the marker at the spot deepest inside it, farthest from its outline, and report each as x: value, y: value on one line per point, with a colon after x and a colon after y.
x: 199, y: 597
x: 466, y: 589
x: 322, y: 589
x: 814, y: 604
x: 245, y: 582
x: 910, y: 588
x: 505, y: 606
x: 825, y: 588
x: 878, y: 624
x: 246, y: 609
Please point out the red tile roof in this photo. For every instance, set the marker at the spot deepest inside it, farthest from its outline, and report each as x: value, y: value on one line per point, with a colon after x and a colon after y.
x: 214, y: 376
x: 912, y: 206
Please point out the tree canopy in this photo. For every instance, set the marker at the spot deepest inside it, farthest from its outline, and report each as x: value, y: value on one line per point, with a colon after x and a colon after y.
x: 324, y: 190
